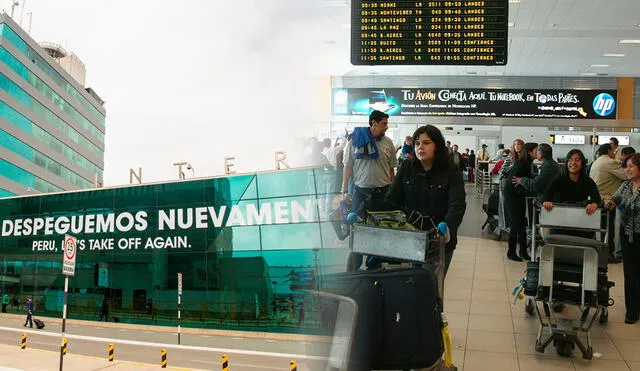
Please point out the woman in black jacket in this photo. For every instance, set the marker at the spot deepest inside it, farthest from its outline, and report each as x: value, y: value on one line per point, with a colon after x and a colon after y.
x: 432, y: 185
x: 514, y: 199
x: 574, y: 186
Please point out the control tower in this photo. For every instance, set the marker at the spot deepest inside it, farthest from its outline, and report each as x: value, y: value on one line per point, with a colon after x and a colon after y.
x: 69, y: 61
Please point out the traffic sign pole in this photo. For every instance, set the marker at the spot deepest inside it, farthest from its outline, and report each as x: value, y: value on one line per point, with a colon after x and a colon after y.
x: 64, y: 319
x: 69, y: 250
x: 179, y: 297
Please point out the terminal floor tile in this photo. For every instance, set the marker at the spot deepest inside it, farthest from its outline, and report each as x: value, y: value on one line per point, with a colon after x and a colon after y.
x: 491, y: 334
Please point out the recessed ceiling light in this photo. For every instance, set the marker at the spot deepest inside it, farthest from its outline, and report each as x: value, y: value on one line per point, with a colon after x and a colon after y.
x: 617, y: 55
x: 514, y: 1
x: 494, y: 73
x: 511, y: 24
x: 629, y: 41
x: 599, y: 65
x: 588, y: 74
x: 403, y: 73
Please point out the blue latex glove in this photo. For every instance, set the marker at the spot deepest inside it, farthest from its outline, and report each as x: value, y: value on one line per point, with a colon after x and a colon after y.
x: 352, y: 218
x: 442, y: 228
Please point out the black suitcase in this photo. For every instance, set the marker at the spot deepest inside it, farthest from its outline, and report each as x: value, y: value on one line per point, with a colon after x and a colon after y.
x: 399, y: 323
x: 39, y: 323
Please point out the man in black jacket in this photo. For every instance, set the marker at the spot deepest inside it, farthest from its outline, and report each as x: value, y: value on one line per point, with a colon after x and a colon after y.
x: 548, y: 171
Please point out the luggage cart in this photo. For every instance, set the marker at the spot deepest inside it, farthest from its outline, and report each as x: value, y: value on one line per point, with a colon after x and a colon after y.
x: 571, y: 271
x: 491, y: 206
x: 401, y: 245
x: 503, y: 218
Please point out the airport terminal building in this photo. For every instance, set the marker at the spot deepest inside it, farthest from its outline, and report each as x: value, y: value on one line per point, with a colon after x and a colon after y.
x: 52, y: 128
x: 249, y: 249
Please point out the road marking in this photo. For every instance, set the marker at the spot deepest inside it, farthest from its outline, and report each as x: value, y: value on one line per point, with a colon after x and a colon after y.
x: 205, y: 336
x: 123, y: 330
x: 270, y: 340
x: 238, y: 338
x: 305, y: 342
x: 241, y: 365
x: 171, y: 346
x: 149, y: 332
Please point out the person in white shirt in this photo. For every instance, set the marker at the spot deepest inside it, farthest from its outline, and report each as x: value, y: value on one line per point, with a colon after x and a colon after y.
x: 483, y: 155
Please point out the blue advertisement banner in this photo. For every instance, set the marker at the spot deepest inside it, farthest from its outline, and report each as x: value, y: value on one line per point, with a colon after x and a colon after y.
x: 511, y: 103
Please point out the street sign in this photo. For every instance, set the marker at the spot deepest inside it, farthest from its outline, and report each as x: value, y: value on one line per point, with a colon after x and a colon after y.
x: 179, y: 283
x: 69, y: 251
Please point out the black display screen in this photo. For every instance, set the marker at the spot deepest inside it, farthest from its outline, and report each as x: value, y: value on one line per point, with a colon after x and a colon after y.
x: 429, y: 32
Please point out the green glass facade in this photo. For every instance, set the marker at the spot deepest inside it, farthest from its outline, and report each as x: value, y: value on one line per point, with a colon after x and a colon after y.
x: 32, y: 55
x: 248, y: 247
x: 47, y: 121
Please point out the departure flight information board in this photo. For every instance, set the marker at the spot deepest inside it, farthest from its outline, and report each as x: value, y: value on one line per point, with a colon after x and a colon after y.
x: 429, y: 32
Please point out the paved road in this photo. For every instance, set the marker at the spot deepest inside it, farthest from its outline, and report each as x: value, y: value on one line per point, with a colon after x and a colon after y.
x: 195, y: 351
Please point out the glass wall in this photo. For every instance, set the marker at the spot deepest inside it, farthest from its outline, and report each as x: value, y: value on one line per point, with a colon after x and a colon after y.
x: 5, y: 193
x: 33, y: 56
x: 22, y: 123
x: 25, y: 178
x: 53, y: 97
x: 249, y: 248
x: 33, y: 104
x: 46, y: 163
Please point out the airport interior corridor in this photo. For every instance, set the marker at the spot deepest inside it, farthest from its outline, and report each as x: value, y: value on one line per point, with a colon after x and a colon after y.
x: 489, y: 334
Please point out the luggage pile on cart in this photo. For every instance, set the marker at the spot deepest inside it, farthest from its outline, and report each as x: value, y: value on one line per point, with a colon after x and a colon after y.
x: 571, y: 271
x: 400, y: 324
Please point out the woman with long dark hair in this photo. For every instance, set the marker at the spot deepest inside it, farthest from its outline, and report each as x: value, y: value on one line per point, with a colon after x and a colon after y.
x: 628, y: 197
x: 432, y: 185
x: 514, y: 199
x: 573, y: 185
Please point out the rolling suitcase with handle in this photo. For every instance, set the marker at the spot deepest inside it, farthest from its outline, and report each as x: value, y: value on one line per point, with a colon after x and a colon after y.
x: 39, y: 324
x: 399, y: 325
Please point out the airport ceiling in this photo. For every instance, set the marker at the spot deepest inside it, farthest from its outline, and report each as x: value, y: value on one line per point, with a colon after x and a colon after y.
x: 547, y: 38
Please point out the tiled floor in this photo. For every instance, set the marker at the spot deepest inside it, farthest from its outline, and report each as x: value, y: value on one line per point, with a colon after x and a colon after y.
x: 489, y: 334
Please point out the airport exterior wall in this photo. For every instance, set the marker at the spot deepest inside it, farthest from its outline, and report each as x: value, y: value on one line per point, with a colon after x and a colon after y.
x: 249, y: 247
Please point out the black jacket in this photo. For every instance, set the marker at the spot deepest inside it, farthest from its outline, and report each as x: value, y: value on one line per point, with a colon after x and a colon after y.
x: 547, y: 172
x: 519, y: 169
x: 562, y: 189
x: 438, y: 194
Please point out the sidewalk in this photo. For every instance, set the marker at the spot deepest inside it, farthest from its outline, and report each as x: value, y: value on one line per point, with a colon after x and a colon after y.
x: 169, y: 330
x: 12, y: 358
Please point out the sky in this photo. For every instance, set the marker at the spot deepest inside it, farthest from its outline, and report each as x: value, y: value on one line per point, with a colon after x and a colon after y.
x: 194, y: 80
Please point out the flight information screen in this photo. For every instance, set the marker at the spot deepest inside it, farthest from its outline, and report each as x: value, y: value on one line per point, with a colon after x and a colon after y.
x: 429, y: 32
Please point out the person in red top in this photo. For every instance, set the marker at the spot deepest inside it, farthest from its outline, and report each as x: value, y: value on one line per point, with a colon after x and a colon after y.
x: 498, y: 165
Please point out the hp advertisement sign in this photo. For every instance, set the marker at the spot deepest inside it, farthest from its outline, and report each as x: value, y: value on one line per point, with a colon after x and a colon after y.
x: 604, y: 104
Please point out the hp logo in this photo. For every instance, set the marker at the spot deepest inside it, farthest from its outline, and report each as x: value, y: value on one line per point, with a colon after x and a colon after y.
x: 604, y: 104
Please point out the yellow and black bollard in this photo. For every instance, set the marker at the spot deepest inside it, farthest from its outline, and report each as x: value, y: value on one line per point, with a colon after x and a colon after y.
x: 23, y: 344
x: 64, y: 346
x: 110, y: 358
x: 293, y: 366
x: 225, y: 363
x: 163, y: 358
